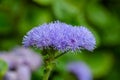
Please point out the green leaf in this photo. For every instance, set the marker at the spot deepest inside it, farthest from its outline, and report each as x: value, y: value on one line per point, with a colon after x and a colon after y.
x: 43, y: 2
x: 3, y: 67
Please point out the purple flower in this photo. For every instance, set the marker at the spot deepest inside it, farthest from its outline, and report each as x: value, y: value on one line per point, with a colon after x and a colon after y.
x: 28, y: 57
x: 60, y: 36
x: 22, y: 73
x: 21, y: 56
x: 81, y: 70
x: 21, y: 63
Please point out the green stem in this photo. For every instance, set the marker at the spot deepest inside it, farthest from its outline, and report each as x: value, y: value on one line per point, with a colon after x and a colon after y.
x: 60, y: 55
x: 48, y: 61
x: 47, y: 73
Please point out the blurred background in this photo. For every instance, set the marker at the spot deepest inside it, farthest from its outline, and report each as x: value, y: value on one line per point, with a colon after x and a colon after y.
x: 102, y: 17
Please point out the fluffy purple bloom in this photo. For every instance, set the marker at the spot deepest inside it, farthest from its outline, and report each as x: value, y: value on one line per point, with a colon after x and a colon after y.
x: 60, y: 36
x: 28, y: 57
x: 81, y: 70
x: 21, y: 63
x: 22, y: 73
x: 22, y: 56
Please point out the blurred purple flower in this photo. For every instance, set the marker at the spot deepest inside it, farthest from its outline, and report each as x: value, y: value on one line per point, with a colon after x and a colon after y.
x: 11, y: 75
x: 20, y: 56
x: 60, y: 36
x: 28, y: 57
x: 24, y: 73
x: 21, y: 62
x: 81, y: 70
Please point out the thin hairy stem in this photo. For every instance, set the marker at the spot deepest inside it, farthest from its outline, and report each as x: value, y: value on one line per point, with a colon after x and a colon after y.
x: 60, y: 55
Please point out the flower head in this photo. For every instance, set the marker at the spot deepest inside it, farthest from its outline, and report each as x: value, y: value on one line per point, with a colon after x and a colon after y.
x: 80, y: 69
x: 21, y: 56
x: 60, y: 36
x: 21, y: 62
x: 27, y: 57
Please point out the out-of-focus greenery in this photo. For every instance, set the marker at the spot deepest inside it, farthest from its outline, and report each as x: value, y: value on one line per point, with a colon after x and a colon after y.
x: 3, y: 68
x: 102, y: 17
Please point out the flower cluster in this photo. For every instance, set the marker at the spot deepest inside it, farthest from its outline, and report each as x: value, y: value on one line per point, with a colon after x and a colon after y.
x: 60, y: 36
x: 21, y: 62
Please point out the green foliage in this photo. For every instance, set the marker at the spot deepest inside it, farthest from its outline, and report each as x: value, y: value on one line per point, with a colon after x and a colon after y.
x: 3, y: 68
